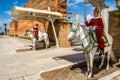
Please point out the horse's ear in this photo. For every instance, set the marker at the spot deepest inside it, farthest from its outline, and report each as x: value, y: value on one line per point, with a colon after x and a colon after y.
x: 75, y: 26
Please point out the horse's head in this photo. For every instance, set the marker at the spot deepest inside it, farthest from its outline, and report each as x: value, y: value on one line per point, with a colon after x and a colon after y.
x: 26, y: 32
x: 74, y: 32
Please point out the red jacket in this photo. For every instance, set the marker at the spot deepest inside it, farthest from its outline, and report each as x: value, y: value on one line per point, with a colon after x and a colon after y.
x: 36, y: 32
x: 99, y: 30
x: 96, y: 22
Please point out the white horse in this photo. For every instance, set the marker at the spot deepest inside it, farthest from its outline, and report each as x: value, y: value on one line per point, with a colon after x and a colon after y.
x: 41, y: 36
x: 80, y: 33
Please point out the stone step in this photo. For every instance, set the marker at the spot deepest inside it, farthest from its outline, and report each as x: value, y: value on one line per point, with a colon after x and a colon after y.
x: 24, y: 49
x: 110, y: 76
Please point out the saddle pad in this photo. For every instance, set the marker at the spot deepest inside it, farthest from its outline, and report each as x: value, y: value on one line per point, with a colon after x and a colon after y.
x: 94, y: 42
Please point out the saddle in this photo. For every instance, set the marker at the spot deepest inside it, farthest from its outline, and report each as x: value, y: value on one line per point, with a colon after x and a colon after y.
x: 94, y: 41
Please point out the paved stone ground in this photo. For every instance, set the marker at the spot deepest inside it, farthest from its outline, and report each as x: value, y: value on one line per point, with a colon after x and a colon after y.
x: 112, y: 76
x: 9, y: 45
x: 29, y: 64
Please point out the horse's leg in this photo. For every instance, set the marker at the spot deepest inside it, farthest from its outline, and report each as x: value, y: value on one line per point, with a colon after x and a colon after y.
x: 101, y: 64
x: 103, y: 58
x: 91, y: 64
x: 34, y: 43
x: 88, y: 63
x: 108, y: 57
x: 46, y: 41
x: 91, y: 55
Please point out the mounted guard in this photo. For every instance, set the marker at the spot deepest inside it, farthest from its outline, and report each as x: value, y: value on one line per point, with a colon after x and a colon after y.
x: 88, y: 46
x: 36, y: 30
x: 98, y: 25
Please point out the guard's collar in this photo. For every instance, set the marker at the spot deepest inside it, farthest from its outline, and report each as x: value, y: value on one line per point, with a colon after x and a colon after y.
x: 96, y: 17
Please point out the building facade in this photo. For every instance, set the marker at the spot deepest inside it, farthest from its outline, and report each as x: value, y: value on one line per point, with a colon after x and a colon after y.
x: 114, y: 28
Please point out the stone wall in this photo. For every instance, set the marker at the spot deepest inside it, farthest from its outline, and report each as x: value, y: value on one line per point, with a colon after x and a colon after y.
x: 114, y: 28
x: 62, y: 31
x: 24, y: 25
x: 55, y: 5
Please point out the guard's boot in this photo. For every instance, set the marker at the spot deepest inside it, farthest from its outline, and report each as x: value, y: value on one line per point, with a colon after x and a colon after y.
x: 37, y: 38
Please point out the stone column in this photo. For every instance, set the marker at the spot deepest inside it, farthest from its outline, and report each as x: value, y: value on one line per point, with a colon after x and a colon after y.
x: 105, y: 17
x: 5, y: 28
x: 16, y: 28
x: 77, y: 19
x: 118, y: 4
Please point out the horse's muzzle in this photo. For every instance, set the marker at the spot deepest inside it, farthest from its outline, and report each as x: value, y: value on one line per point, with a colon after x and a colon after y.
x: 25, y: 34
x: 70, y: 39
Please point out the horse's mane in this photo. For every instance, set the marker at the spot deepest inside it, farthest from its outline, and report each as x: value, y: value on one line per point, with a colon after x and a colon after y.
x: 28, y: 30
x: 85, y: 31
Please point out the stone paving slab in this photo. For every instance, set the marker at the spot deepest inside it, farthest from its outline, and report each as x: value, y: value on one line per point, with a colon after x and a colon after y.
x: 111, y: 76
x: 117, y: 77
x: 29, y: 65
x: 4, y: 77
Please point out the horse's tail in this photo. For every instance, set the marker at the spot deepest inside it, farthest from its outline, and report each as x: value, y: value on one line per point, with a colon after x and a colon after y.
x: 112, y: 55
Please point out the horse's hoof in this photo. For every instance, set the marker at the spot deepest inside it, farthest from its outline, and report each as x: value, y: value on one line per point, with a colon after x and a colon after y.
x: 90, y: 75
x: 86, y: 73
x: 107, y: 68
x: 33, y: 48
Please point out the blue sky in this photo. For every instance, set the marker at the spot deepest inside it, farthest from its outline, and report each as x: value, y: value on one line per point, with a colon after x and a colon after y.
x: 6, y: 9
x: 76, y: 6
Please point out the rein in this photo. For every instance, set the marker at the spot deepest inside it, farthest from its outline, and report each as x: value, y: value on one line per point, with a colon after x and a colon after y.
x: 83, y: 38
x: 90, y: 31
x: 75, y: 30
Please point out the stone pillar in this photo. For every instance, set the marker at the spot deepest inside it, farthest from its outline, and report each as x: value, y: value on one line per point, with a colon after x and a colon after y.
x: 77, y: 19
x: 16, y: 28
x: 5, y: 28
x: 105, y: 17
x: 118, y: 4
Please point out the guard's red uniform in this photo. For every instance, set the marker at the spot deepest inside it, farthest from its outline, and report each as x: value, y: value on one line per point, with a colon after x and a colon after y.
x: 99, y: 30
x: 36, y: 32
